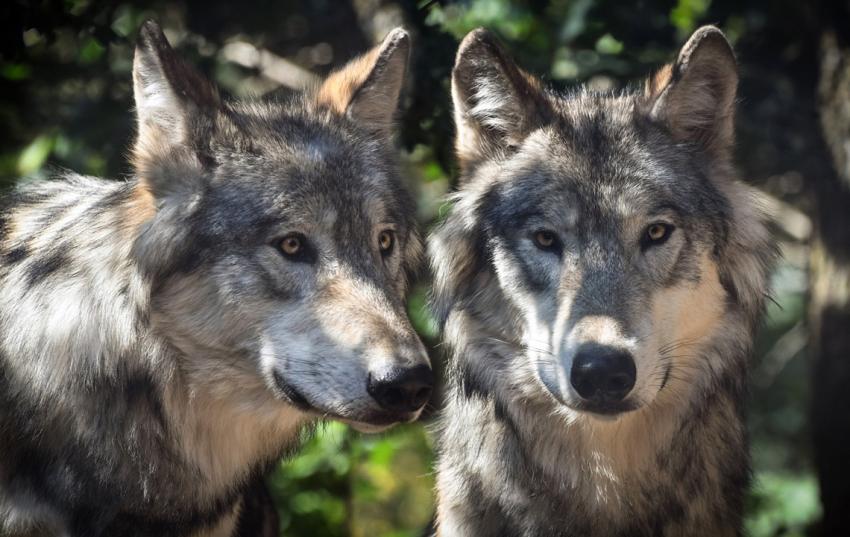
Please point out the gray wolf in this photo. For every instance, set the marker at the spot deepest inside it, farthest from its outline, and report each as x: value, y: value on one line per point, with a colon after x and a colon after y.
x: 164, y: 340
x: 599, y: 280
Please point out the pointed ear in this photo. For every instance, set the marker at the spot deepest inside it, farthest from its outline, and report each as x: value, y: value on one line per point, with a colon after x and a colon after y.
x: 173, y: 103
x: 496, y: 104
x: 695, y: 96
x: 367, y: 88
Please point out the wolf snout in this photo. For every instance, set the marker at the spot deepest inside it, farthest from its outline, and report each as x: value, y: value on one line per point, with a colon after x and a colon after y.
x: 603, y: 375
x: 401, y: 389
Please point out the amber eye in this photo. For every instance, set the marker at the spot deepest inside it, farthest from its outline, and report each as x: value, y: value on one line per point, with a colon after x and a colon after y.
x: 386, y: 240
x: 545, y: 240
x: 291, y: 245
x: 657, y: 233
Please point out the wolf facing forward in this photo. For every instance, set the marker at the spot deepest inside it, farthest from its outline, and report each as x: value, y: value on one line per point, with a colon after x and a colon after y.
x: 599, y: 281
x: 164, y: 340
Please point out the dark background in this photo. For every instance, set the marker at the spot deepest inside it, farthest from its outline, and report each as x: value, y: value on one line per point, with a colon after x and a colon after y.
x: 66, y: 101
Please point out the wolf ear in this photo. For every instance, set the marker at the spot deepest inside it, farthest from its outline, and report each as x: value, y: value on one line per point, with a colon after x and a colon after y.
x: 695, y: 97
x: 367, y: 88
x: 172, y: 101
x: 496, y: 104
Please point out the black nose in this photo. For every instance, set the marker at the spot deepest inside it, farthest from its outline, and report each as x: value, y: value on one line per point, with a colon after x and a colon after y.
x: 401, y: 389
x: 603, y: 374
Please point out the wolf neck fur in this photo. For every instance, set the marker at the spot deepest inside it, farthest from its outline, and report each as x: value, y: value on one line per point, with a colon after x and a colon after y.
x: 597, y: 466
x: 176, y: 428
x: 225, y: 434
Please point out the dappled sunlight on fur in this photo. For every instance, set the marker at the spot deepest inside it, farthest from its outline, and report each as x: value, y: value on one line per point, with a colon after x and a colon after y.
x: 522, y: 451
x: 161, y: 348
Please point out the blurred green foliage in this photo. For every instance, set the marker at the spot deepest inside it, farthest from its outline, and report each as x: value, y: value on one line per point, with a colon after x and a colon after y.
x: 343, y: 483
x: 65, y: 101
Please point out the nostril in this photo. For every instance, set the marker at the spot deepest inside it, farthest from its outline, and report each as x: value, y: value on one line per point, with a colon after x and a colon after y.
x: 603, y: 374
x: 421, y: 396
x: 392, y: 396
x: 618, y: 381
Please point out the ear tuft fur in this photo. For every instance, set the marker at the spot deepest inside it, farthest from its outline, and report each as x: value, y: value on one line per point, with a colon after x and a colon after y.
x: 172, y: 101
x: 367, y: 89
x: 496, y: 103
x: 165, y: 88
x: 695, y: 96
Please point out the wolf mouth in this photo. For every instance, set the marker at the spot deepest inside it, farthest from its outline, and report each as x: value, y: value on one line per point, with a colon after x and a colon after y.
x: 372, y: 423
x: 291, y: 393
x: 601, y: 410
x: 605, y: 411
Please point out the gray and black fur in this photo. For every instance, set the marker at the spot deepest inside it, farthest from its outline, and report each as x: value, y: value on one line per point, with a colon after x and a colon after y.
x: 599, y: 281
x: 163, y: 341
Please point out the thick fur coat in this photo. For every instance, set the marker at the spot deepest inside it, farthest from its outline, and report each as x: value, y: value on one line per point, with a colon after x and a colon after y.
x: 611, y: 226
x: 164, y: 340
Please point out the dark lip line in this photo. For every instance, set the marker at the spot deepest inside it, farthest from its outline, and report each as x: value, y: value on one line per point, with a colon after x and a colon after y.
x: 610, y: 412
x: 301, y: 402
x: 603, y: 411
x: 294, y: 396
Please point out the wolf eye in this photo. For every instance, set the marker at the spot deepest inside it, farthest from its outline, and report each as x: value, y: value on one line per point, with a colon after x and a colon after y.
x: 386, y: 241
x: 295, y: 247
x: 657, y: 233
x: 291, y: 245
x: 545, y: 240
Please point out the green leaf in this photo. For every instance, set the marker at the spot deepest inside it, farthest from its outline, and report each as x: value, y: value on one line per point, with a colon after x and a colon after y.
x: 608, y: 44
x: 33, y: 156
x: 782, y: 504
x: 91, y: 51
x: 420, y: 315
x: 15, y: 71
x: 687, y: 13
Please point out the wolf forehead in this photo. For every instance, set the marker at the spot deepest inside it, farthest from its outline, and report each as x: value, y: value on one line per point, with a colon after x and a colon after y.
x: 600, y: 158
x: 283, y: 161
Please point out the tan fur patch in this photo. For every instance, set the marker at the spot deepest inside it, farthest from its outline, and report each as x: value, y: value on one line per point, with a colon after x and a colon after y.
x: 356, y: 312
x: 367, y: 88
x: 225, y: 437
x: 140, y: 209
x: 689, y: 313
x: 657, y: 82
x: 339, y: 88
x: 600, y: 329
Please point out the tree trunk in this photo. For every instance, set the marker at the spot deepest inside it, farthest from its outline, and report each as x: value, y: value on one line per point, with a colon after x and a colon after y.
x: 829, y: 306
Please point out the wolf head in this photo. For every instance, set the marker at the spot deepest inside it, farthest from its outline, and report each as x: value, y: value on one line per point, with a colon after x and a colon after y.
x: 279, y: 237
x: 605, y: 234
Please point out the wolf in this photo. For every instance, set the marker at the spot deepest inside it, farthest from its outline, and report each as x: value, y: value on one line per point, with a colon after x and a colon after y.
x: 164, y: 340
x: 598, y: 281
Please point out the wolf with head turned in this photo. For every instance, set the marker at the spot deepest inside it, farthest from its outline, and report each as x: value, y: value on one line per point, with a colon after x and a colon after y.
x: 164, y: 340
x: 599, y: 280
